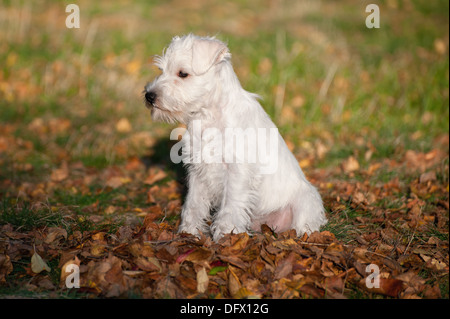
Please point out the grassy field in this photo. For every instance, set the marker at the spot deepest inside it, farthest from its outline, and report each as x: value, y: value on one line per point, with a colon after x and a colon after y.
x: 85, y: 172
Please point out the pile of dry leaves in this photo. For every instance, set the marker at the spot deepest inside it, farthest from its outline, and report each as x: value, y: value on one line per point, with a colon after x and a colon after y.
x: 384, y: 238
x: 152, y: 261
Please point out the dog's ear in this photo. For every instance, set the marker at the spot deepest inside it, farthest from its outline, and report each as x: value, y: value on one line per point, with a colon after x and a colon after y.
x: 206, y: 53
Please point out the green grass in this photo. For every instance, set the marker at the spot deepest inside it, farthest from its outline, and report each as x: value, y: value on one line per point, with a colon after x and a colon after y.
x: 23, y: 216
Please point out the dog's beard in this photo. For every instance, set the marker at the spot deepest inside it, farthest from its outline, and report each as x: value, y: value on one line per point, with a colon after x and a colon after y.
x: 169, y: 110
x: 162, y: 115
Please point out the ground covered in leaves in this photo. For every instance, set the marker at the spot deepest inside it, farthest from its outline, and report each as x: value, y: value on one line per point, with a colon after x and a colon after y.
x: 123, y: 250
x: 86, y: 177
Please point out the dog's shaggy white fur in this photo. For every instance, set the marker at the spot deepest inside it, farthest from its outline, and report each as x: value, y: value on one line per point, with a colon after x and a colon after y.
x: 198, y: 84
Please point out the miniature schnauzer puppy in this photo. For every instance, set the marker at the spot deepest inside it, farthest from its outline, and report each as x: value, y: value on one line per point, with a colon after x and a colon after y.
x: 232, y: 190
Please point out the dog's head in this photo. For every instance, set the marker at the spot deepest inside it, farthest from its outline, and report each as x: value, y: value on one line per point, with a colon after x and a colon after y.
x: 189, y: 74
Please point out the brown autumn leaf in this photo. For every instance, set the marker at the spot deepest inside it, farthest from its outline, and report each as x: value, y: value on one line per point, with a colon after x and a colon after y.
x: 359, y: 198
x: 234, y: 285
x: 388, y: 286
x: 107, y: 276
x: 45, y: 283
x: 6, y: 267
x: 440, y: 46
x: 59, y: 125
x: 200, y: 256
x: 60, y: 174
x: 55, y: 233
x: 311, y: 290
x: 155, y: 175
x: 284, y: 267
x: 328, y: 269
x: 123, y: 125
x: 110, y: 210
x: 373, y: 168
x: 234, y: 260
x: 334, y: 283
x: 117, y: 181
x: 139, y: 249
x: 428, y: 176
x: 350, y: 165
x: 239, y: 242
x: 97, y: 250
x: 134, y: 164
x: 166, y: 288
x: 324, y: 237
x: 434, y: 263
x: 433, y: 292
x: 99, y: 237
x: 148, y: 264
x: 413, y: 282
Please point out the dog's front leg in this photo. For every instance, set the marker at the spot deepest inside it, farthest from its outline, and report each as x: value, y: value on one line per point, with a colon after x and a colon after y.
x: 238, y: 199
x: 196, y: 210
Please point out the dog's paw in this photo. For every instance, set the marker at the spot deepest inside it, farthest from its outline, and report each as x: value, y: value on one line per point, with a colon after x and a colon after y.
x: 189, y: 230
x: 219, y: 229
x: 194, y: 229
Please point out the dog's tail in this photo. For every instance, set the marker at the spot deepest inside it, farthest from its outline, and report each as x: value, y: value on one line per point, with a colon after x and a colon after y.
x: 308, y: 211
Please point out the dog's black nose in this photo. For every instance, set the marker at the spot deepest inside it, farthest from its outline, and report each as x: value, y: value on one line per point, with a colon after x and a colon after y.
x: 150, y: 97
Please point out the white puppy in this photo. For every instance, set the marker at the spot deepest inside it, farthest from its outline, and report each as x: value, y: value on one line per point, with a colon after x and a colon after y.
x: 199, y: 88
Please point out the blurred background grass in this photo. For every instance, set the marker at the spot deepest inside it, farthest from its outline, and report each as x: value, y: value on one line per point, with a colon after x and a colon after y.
x: 334, y: 87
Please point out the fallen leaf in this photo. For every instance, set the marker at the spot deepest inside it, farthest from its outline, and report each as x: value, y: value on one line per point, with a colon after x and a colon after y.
x: 373, y: 168
x: 123, y: 125
x: 55, y: 233
x: 59, y: 125
x: 148, y: 264
x: 166, y: 288
x: 202, y: 280
x: 60, y: 174
x: 6, y: 267
x: 359, y: 198
x: 110, y: 210
x: 38, y: 264
x: 117, y: 181
x: 324, y: 237
x: 238, y: 245
x: 434, y: 263
x: 155, y: 175
x: 428, y: 176
x: 388, y: 286
x: 233, y: 282
x: 439, y: 46
x: 350, y: 165
x: 200, y: 256
x: 433, y: 293
x: 45, y: 283
x: 311, y: 290
x: 284, y: 267
x: 304, y: 163
x: 97, y: 250
x: 217, y: 269
x: 334, y: 283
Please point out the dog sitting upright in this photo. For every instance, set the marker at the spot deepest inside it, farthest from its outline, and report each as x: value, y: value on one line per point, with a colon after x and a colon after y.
x: 199, y: 88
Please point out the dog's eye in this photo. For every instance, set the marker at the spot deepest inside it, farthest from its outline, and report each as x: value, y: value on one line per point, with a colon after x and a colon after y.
x: 181, y: 74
